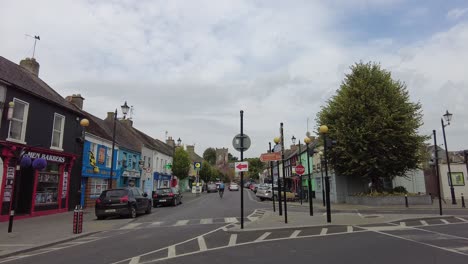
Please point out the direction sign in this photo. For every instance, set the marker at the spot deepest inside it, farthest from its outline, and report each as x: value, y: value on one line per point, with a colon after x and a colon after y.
x: 242, y: 166
x: 273, y: 156
x: 236, y: 142
x: 300, y: 169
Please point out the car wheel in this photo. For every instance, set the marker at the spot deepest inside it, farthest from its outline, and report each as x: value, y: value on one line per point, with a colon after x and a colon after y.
x: 148, y: 210
x: 180, y: 201
x: 100, y: 217
x: 133, y: 212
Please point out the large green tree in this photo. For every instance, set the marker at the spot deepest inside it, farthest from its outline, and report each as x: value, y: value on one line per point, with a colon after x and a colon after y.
x: 210, y: 155
x: 206, y: 171
x: 181, y: 166
x: 232, y: 158
x: 374, y: 124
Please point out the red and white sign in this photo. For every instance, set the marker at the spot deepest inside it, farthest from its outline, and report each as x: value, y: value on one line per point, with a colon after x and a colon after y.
x: 273, y: 156
x: 300, y: 169
x: 242, y: 166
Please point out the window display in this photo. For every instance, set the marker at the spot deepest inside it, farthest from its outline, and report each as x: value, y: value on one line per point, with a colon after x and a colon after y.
x: 47, y: 185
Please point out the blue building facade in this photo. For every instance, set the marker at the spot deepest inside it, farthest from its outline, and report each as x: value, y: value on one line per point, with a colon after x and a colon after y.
x: 129, y: 169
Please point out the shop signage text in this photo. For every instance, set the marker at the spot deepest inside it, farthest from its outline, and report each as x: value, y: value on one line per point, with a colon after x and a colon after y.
x: 48, y: 157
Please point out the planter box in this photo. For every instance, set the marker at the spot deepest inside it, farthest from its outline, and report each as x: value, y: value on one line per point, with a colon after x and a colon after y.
x: 389, y: 200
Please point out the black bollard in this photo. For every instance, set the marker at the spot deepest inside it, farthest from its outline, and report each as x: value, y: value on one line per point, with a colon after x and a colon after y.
x: 463, y: 201
x: 406, y: 200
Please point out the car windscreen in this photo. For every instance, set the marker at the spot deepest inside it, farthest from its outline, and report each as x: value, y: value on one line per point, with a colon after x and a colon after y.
x: 163, y: 191
x: 114, y: 193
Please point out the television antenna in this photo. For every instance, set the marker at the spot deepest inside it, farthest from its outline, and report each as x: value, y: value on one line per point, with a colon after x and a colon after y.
x: 36, y: 38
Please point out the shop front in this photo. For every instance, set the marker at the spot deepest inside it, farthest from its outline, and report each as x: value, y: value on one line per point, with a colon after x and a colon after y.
x: 162, y: 180
x: 93, y: 183
x: 130, y: 178
x: 39, y: 177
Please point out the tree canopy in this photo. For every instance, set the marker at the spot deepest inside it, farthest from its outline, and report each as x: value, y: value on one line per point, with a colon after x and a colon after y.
x: 374, y: 124
x: 206, y: 171
x: 210, y: 155
x: 255, y: 167
x: 181, y: 164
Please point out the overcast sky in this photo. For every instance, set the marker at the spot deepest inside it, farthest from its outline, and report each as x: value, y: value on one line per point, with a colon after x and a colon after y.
x: 189, y: 67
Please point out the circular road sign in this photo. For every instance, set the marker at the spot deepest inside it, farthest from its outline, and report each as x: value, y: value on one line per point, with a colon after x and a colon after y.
x: 236, y: 142
x: 300, y: 169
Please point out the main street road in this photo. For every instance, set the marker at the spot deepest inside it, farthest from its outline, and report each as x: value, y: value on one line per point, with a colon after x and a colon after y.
x: 163, y: 227
x: 196, y: 232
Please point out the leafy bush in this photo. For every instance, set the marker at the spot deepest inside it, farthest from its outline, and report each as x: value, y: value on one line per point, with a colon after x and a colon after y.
x: 400, y: 189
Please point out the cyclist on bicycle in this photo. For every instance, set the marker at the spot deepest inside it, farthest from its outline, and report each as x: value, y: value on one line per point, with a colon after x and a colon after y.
x: 221, y: 189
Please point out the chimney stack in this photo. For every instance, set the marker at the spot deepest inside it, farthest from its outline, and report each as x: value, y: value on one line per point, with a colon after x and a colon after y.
x: 76, y: 99
x: 190, y: 149
x: 110, y: 116
x: 31, y: 65
x: 170, y: 141
x: 127, y: 122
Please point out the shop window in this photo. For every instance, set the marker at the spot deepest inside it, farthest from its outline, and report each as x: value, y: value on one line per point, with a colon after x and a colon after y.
x: 19, y: 121
x: 47, y: 185
x: 109, y: 158
x: 98, y: 186
x: 57, y: 131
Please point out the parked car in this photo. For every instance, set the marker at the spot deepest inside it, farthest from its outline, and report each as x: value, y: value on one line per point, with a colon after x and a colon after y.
x: 265, y: 192
x: 122, y: 202
x: 247, y: 185
x: 233, y: 187
x: 212, y: 187
x: 252, y: 187
x: 167, y: 196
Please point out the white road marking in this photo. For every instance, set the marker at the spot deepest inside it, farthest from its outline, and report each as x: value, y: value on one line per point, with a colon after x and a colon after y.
x: 262, y: 237
x: 16, y: 245
x: 171, y: 251
x: 445, y: 221
x: 462, y: 249
x: 423, y: 222
x: 230, y: 220
x: 130, y: 226
x: 202, y: 243
x: 135, y: 260
x: 461, y: 219
x: 252, y: 218
x: 232, y: 240
x: 349, y: 229
x: 295, y: 233
x: 156, y: 223
x: 402, y: 224
x: 181, y: 222
x: 324, y: 231
x: 206, y: 221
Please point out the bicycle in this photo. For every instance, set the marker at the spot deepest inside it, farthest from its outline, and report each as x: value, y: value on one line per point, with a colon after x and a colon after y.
x: 221, y: 193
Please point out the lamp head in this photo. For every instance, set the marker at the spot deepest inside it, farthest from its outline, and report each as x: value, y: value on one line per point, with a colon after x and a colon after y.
x: 323, y: 129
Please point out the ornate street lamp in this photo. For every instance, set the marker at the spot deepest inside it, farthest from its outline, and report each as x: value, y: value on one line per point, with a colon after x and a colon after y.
x: 448, y: 117
x: 179, y: 141
x: 293, y: 139
x: 324, y: 130
x: 124, y: 109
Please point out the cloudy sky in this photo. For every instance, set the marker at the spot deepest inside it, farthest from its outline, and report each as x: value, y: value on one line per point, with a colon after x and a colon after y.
x: 189, y: 67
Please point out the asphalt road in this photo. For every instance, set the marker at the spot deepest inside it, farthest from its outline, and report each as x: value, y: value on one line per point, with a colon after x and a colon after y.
x: 195, y: 232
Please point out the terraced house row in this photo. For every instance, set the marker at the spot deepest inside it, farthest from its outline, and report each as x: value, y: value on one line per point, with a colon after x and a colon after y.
x: 51, y: 161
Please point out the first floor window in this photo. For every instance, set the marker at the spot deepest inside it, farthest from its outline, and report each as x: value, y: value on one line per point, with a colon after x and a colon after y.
x: 57, y: 131
x: 97, y: 186
x: 19, y: 120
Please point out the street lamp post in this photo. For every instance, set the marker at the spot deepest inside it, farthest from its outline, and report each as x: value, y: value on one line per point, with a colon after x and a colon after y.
x: 436, y: 163
x: 448, y: 118
x: 298, y: 156
x: 309, y: 184
x: 284, y: 176
x: 125, y: 109
x: 321, y: 172
x: 272, y: 181
x: 324, y: 131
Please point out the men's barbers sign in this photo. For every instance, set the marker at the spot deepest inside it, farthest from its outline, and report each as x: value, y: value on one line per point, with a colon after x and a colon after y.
x: 48, y: 157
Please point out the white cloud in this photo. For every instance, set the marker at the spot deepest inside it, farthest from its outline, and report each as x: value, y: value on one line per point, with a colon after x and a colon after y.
x: 456, y: 13
x: 188, y: 67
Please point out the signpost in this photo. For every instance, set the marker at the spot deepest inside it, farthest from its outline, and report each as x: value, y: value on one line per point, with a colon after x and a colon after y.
x: 241, y: 142
x: 273, y: 156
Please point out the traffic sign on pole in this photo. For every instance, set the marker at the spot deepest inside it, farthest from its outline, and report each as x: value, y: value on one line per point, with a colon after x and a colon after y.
x: 300, y: 169
x: 242, y: 166
x: 236, y: 142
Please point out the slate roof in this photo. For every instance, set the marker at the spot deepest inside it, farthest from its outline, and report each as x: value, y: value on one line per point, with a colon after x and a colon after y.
x: 22, y: 79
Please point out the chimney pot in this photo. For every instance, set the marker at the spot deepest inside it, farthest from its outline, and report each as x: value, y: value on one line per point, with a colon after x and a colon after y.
x: 76, y: 99
x: 31, y: 65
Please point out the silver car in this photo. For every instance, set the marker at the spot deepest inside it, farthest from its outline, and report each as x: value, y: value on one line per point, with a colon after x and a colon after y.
x: 264, y: 192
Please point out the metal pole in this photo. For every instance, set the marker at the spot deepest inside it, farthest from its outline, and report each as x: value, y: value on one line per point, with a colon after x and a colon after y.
x: 309, y: 184
x: 272, y: 182
x: 452, y: 190
x: 284, y: 177
x: 113, y: 150
x: 17, y: 185
x: 300, y: 176
x: 242, y: 159
x: 280, y: 201
x: 436, y: 152
x: 327, y: 180
x: 323, y: 182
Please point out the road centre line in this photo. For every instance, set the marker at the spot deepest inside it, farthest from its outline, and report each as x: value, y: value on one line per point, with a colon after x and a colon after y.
x: 181, y: 222
x: 262, y: 237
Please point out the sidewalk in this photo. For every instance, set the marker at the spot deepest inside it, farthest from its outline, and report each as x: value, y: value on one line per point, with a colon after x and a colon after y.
x: 39, y: 231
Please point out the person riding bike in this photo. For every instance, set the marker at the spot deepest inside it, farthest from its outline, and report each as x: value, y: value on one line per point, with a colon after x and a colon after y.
x: 221, y: 189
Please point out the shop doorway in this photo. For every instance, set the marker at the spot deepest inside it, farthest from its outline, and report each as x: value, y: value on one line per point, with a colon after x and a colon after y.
x: 24, y: 190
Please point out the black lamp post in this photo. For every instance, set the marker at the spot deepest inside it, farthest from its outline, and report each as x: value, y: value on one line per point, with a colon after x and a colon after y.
x: 125, y: 109
x: 284, y: 176
x: 435, y: 163
x: 448, y: 118
x: 324, y: 131
x: 280, y: 202
x: 307, y: 140
x: 321, y: 172
x: 272, y: 181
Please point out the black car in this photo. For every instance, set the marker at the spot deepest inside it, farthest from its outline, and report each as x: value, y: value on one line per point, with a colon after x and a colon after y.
x: 122, y: 202
x: 167, y: 196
